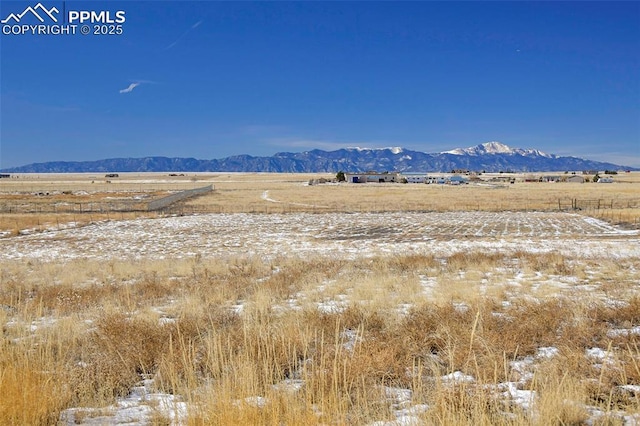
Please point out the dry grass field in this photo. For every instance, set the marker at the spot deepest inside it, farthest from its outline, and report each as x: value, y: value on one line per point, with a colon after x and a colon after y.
x: 272, y: 301
x: 619, y: 202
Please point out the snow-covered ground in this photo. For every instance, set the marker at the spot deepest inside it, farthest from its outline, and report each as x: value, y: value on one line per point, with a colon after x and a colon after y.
x: 138, y: 408
x: 353, y: 235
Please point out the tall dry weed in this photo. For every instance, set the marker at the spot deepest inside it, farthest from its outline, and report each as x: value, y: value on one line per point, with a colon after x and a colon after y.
x: 33, y: 390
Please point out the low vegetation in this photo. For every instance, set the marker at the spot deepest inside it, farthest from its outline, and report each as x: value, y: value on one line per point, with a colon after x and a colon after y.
x: 284, y: 193
x: 472, y: 337
x: 467, y: 339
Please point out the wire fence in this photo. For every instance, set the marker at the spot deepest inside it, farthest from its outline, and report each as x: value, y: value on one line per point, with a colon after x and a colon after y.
x: 72, y: 207
x: 568, y: 204
x: 622, y: 209
x: 138, y: 203
x: 165, y: 202
x: 597, y: 203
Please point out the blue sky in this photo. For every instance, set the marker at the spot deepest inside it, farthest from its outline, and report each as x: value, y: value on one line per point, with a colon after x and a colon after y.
x: 214, y: 79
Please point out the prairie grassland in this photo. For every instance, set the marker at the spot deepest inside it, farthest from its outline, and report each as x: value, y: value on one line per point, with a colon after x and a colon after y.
x: 38, y: 202
x: 619, y: 202
x: 283, y: 193
x: 467, y: 339
x: 294, y: 196
x: 534, y: 323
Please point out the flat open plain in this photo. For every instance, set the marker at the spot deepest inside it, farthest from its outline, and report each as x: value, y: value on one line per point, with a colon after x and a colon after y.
x: 334, y: 234
x: 276, y: 300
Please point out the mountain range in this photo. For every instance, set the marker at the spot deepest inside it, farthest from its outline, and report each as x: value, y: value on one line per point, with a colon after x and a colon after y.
x: 488, y: 157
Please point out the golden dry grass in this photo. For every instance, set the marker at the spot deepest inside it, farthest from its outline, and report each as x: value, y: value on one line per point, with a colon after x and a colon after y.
x: 282, y: 193
x: 230, y: 336
x: 51, y: 201
x: 245, y: 192
x: 85, y: 332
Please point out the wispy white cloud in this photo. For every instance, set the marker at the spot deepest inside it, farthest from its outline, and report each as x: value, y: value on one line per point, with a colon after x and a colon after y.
x: 136, y: 83
x: 192, y: 27
x: 130, y: 88
x: 144, y: 81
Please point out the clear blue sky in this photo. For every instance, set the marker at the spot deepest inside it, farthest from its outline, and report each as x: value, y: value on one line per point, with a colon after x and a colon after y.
x: 222, y: 78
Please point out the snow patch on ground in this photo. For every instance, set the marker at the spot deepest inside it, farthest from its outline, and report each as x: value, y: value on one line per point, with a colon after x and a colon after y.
x: 352, y: 235
x: 304, y: 234
x: 138, y: 408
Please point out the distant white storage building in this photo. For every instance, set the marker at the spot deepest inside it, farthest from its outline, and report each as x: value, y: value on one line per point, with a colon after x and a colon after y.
x: 415, y: 177
x: 436, y: 180
x: 372, y: 177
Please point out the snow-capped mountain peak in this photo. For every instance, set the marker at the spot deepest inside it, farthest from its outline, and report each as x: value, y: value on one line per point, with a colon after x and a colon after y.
x: 495, y: 147
x: 394, y: 149
x: 489, y: 157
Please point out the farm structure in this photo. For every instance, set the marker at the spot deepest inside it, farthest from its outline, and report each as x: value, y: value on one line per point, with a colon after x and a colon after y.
x: 575, y: 179
x: 551, y: 178
x: 435, y: 180
x: 372, y: 177
x: 404, y: 177
x: 456, y: 180
x: 415, y: 177
x: 424, y: 178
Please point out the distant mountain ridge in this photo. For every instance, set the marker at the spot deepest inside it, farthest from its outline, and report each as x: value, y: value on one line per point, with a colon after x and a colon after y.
x: 488, y: 157
x: 497, y: 148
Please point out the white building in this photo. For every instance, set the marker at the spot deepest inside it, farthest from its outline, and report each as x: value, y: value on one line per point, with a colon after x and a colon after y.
x: 372, y: 177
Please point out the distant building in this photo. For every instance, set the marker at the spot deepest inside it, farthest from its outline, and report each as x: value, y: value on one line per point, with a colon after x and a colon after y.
x: 439, y: 180
x: 502, y: 179
x: 457, y: 180
x: 575, y: 179
x: 372, y: 177
x: 414, y: 177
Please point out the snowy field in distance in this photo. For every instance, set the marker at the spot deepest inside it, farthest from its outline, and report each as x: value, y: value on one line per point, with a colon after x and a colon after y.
x: 353, y: 235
